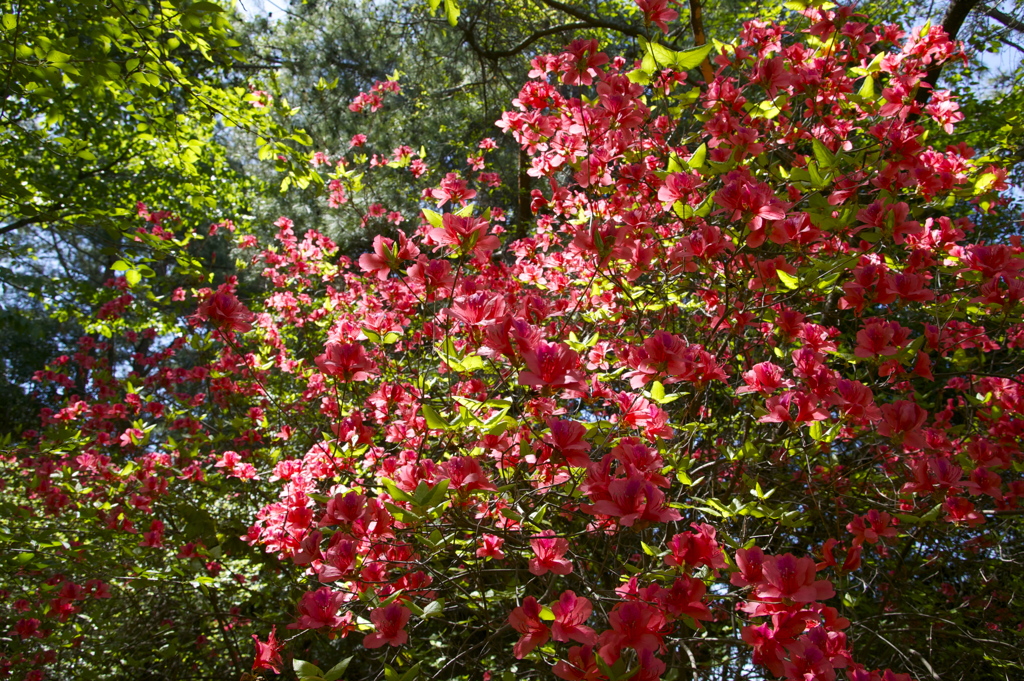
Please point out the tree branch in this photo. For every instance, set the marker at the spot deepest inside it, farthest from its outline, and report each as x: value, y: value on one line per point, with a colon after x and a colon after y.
x: 18, y: 224
x: 1012, y: 44
x: 697, y: 23
x: 1005, y: 19
x: 501, y: 54
x: 592, y: 21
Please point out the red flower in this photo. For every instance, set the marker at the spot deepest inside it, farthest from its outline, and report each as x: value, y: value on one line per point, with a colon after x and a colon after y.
x: 466, y: 475
x: 791, y: 578
x: 551, y: 365
x: 27, y: 628
x: 679, y: 186
x: 890, y: 216
x: 490, y: 547
x: 268, y: 655
x: 386, y: 256
x: 390, y: 622
x: 320, y: 609
x: 667, y: 354
x: 432, y: 275
x: 570, y: 614
x: 339, y: 560
x: 550, y: 552
x: 479, y: 309
x: 155, y: 537
x: 880, y: 338
x: 686, y: 599
x: 871, y: 527
x: 855, y: 400
x: 580, y: 62
x: 742, y: 197
x: 779, y: 408
x: 902, y: 420
x: 345, y: 509
x: 633, y: 500
x: 453, y: 188
x: 225, y: 312
x: 581, y: 665
x: 566, y: 438
x: 657, y: 12
x: 346, y: 362
x: 526, y: 620
x: 465, y: 234
x: 694, y: 549
x: 764, y: 378
x: 635, y: 625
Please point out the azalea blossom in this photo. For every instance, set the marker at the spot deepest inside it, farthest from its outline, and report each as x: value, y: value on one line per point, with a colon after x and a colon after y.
x: 268, y: 655
x: 390, y: 623
x: 345, y: 362
x: 526, y: 620
x: 225, y: 312
x: 549, y: 554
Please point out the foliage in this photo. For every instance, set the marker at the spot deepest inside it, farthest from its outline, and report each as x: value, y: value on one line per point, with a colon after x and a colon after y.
x: 76, y: 131
x: 106, y: 105
x: 742, y: 400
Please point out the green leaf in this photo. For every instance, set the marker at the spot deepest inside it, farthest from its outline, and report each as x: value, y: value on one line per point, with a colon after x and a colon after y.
x: 433, y: 609
x: 658, y: 392
x: 696, y: 159
x: 434, y: 419
x: 656, y: 56
x: 510, y: 514
x: 451, y: 12
x: 688, y: 59
x: 338, y: 670
x: 787, y: 279
x: 396, y: 493
x: 826, y: 159
x: 437, y: 494
x: 434, y: 218
x: 305, y: 669
x: 639, y: 76
x: 133, y: 277
x: 867, y: 88
x: 817, y: 181
x: 205, y: 6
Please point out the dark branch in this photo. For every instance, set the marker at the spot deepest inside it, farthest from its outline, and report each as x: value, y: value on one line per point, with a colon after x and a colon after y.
x: 592, y: 21
x: 501, y: 54
x: 1004, y: 19
x: 1012, y: 44
x: 18, y: 224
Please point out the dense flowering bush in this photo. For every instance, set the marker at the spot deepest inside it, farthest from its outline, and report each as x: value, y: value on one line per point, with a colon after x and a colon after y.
x: 747, y: 393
